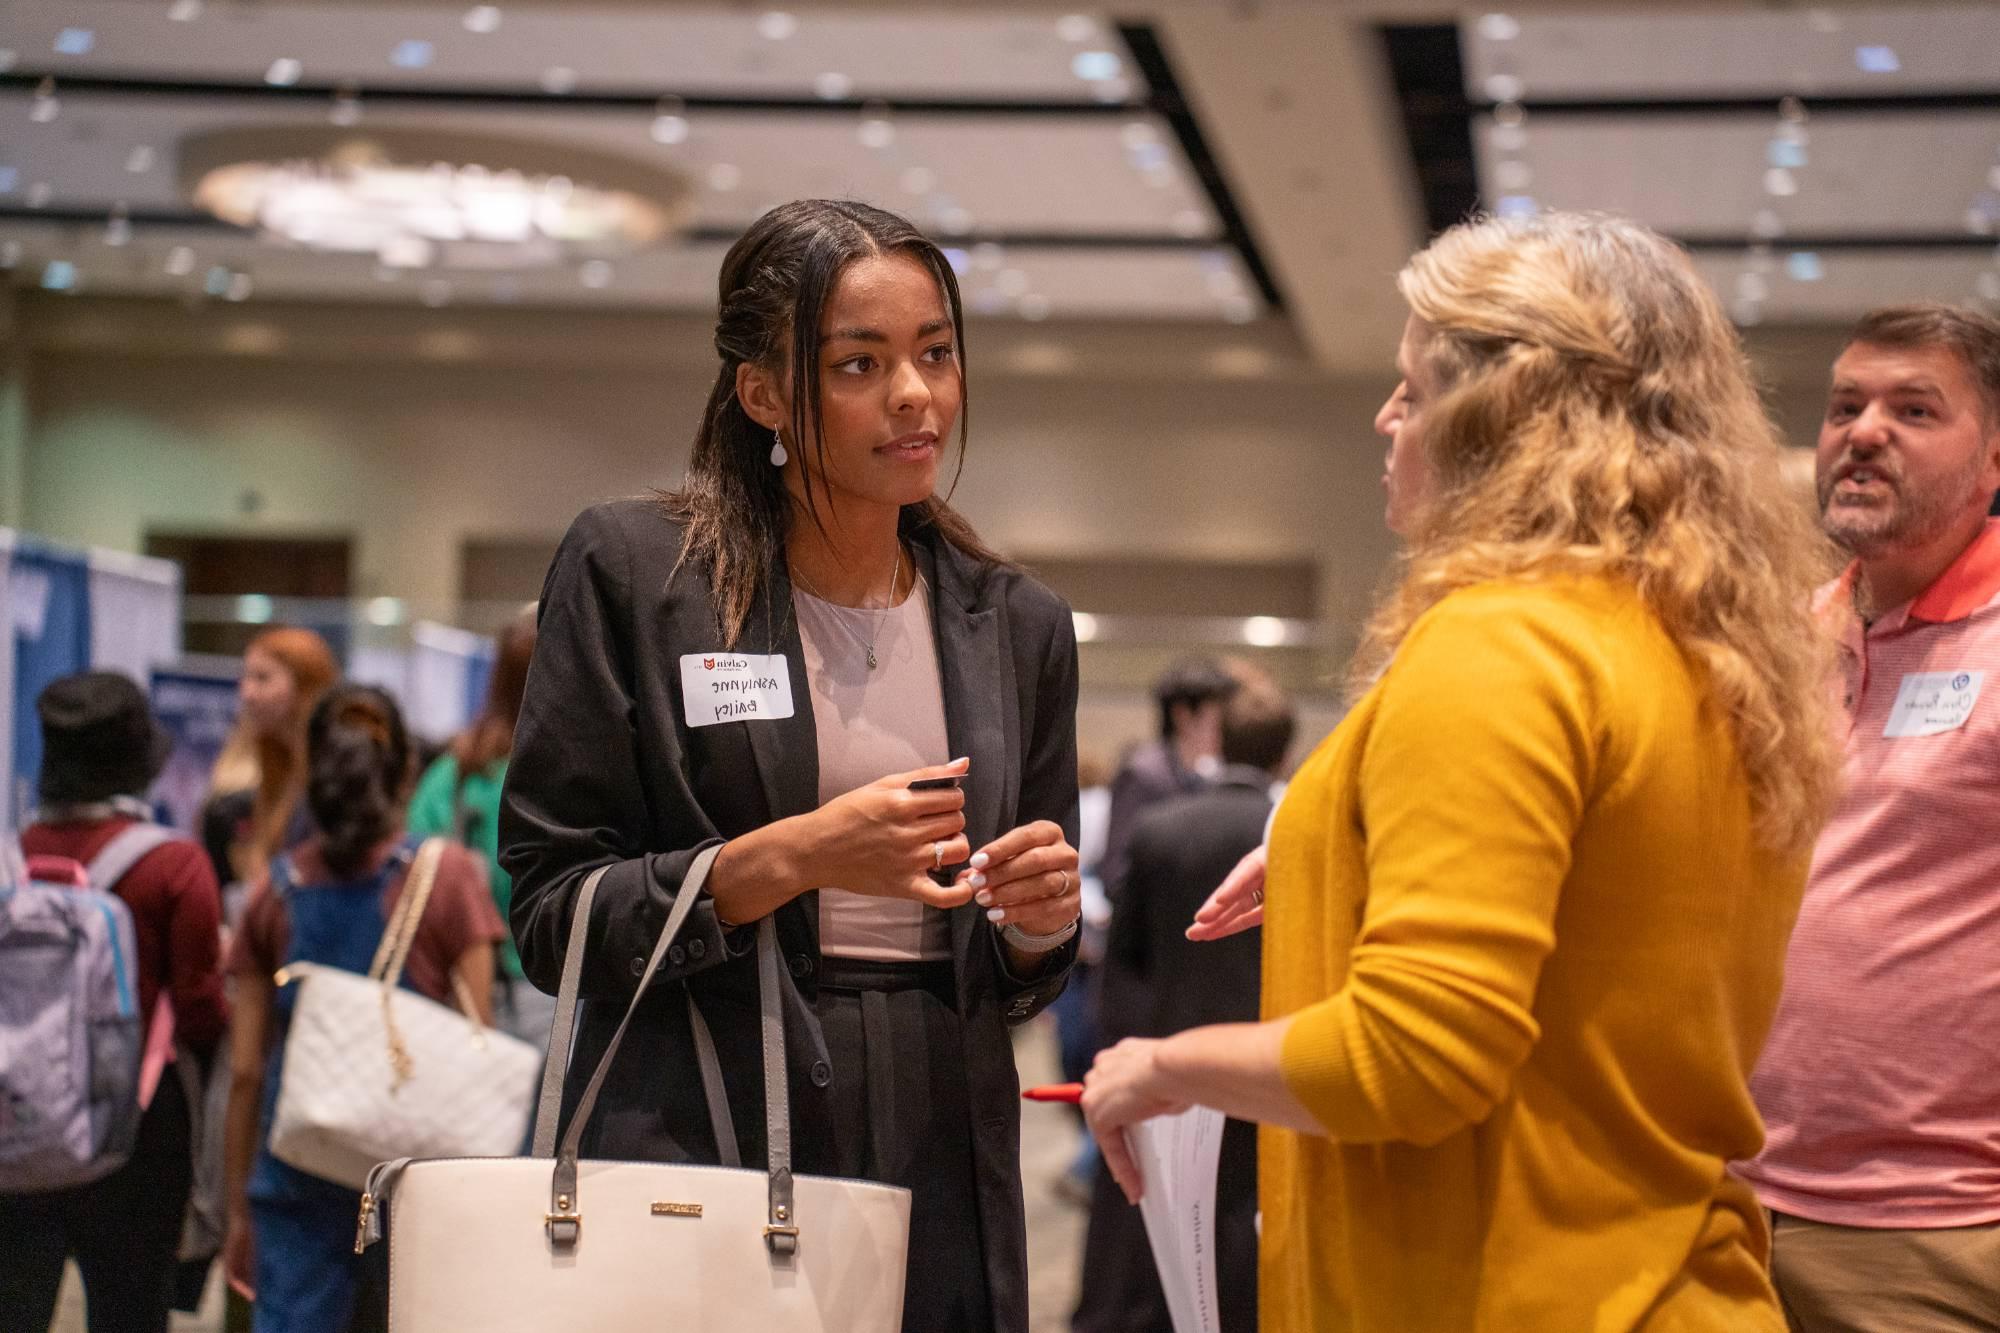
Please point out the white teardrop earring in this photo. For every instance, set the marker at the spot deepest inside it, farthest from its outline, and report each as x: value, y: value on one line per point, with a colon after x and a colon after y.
x: 778, y: 454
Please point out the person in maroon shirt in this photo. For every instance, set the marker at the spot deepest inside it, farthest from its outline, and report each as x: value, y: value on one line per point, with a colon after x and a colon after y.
x: 101, y: 748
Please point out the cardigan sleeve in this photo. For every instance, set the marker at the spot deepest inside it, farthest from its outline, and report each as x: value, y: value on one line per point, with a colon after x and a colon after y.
x: 1477, y: 768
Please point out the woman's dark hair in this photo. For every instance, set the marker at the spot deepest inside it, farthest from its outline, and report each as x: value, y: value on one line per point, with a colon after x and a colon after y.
x: 490, y: 738
x: 775, y: 282
x: 358, y: 765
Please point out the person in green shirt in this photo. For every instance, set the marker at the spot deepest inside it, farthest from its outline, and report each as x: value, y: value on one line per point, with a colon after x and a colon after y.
x: 458, y: 797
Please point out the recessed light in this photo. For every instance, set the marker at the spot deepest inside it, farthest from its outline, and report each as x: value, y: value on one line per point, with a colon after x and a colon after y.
x: 75, y: 41
x: 412, y: 54
x: 1509, y: 138
x: 777, y: 25
x: 482, y: 19
x: 240, y: 287
x: 1138, y: 134
x: 669, y: 129
x: 1780, y: 183
x: 118, y: 229
x: 1499, y: 27
x: 876, y: 131
x: 1504, y: 88
x: 1783, y: 152
x: 559, y: 79
x: 724, y: 176
x: 833, y: 86
x: 1085, y: 625
x: 1517, y: 206
x: 184, y: 11
x: 1804, y: 266
x: 1096, y: 65
x: 46, y: 106
x: 59, y: 275
x: 284, y: 72
x: 180, y: 261
x: 1265, y: 632
x: 1876, y: 59
x: 140, y: 159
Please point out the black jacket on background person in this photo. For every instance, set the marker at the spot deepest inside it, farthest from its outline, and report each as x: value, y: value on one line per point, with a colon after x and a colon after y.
x: 606, y: 771
x: 1159, y: 982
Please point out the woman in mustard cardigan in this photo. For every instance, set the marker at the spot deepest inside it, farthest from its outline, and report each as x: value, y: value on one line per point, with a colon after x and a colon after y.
x: 1527, y: 905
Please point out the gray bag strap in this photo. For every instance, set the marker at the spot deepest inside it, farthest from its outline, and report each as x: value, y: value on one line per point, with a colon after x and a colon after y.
x: 117, y: 857
x: 781, y: 1228
x: 712, y: 1088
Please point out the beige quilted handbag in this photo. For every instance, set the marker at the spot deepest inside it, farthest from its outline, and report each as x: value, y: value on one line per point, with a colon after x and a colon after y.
x: 374, y: 1071
x: 526, y: 1244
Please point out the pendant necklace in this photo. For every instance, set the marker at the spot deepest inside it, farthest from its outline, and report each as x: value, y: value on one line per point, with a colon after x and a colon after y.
x: 880, y: 618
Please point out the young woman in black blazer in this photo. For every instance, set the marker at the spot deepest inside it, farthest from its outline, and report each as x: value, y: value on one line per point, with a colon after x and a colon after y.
x: 816, y: 466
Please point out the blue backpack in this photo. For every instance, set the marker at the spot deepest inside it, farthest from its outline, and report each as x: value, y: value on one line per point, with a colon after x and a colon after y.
x: 70, y: 1036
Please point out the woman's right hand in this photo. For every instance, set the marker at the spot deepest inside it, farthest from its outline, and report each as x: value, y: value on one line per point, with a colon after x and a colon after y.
x: 239, y: 1259
x: 883, y: 840
x: 1237, y: 903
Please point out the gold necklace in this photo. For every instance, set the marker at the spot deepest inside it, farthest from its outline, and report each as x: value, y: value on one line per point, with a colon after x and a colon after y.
x: 881, y: 618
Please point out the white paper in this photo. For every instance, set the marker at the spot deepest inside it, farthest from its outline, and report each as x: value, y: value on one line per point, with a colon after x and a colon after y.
x: 1177, y: 1156
x: 735, y: 687
x: 1930, y: 702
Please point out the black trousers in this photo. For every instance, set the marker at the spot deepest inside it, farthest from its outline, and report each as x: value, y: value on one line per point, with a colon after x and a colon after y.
x: 124, y: 1232
x: 902, y: 1116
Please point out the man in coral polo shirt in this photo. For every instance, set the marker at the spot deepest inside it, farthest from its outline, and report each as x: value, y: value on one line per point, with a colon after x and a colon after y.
x: 1880, y: 1085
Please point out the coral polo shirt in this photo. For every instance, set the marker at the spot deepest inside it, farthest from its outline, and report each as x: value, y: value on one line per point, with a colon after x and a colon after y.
x: 1880, y: 1085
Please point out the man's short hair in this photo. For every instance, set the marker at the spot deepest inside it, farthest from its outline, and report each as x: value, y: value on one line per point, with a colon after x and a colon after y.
x: 1974, y: 337
x: 1257, y: 727
x: 1192, y: 681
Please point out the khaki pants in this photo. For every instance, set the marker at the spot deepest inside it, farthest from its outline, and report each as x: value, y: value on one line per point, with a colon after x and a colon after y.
x: 1867, y: 1280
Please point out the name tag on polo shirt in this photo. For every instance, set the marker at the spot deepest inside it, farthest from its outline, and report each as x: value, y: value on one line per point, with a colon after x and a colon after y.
x: 1930, y: 702
x: 735, y: 687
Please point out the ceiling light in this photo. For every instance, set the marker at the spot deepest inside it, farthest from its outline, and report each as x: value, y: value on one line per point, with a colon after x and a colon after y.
x: 918, y: 180
x: 1499, y: 27
x: 118, y: 228
x: 669, y: 127
x: 1512, y: 176
x: 833, y: 86
x: 180, y: 261
x: 284, y: 72
x: 184, y: 11
x: 217, y: 281
x: 385, y: 611
x: 1510, y: 114
x: 1876, y: 59
x: 876, y: 130
x: 346, y: 108
x: 724, y: 177
x: 482, y: 19
x: 9, y: 178
x: 254, y: 609
x: 1085, y: 625
x: 400, y: 194
x: 1265, y: 632
x: 1804, y: 266
x: 240, y: 287
x: 140, y: 160
x: 46, y: 106
x: 1786, y: 153
x: 559, y: 79
x: 1504, y: 88
x: 75, y: 41
x: 1138, y: 134
x: 1076, y: 27
x: 1509, y: 138
x: 1096, y: 65
x: 59, y: 275
x: 777, y: 25
x: 1781, y: 183
x: 412, y: 54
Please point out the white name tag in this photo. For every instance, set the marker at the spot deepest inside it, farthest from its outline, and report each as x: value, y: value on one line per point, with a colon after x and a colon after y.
x: 735, y: 687
x: 1933, y: 701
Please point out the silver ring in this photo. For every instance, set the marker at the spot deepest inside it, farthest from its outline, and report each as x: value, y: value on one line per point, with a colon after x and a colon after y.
x: 937, y: 856
x: 1065, y: 887
x: 1257, y: 897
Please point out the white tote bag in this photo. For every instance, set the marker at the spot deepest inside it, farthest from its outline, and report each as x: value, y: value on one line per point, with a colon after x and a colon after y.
x: 507, y: 1245
x: 373, y: 1071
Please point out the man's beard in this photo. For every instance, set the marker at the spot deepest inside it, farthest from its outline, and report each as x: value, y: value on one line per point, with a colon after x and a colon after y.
x: 1911, y: 516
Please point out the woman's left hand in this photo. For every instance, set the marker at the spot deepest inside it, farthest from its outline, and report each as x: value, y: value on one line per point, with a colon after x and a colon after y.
x: 1124, y: 1087
x: 1027, y: 877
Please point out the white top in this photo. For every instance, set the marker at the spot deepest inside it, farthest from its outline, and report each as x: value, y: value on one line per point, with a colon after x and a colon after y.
x: 870, y: 723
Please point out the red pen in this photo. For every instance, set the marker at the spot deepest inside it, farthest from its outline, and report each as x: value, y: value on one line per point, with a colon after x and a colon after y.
x: 1055, y: 1092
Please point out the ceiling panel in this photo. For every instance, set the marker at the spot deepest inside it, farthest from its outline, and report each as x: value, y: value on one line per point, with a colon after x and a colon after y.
x: 737, y: 52
x: 1020, y: 281
x: 1857, y: 174
x: 1861, y: 51
x: 1013, y: 173
x: 1838, y: 286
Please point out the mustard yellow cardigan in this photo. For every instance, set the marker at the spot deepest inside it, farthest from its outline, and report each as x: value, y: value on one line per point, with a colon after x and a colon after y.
x: 1533, y: 950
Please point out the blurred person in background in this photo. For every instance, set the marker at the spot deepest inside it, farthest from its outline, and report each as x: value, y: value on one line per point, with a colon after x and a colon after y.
x: 101, y: 751
x: 1527, y: 905
x: 254, y: 808
x: 1181, y: 848
x: 809, y: 544
x: 459, y: 798
x: 327, y: 900
x: 1185, y: 754
x: 1881, y: 1082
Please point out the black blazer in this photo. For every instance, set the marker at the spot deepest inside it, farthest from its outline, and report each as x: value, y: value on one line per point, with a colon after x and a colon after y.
x: 606, y: 771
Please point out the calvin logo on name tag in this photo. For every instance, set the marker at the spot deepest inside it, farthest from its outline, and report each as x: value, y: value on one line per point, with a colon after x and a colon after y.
x: 1930, y: 702
x: 735, y: 687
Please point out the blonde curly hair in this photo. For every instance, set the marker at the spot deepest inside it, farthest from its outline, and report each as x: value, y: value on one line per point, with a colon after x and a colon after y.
x: 1594, y: 414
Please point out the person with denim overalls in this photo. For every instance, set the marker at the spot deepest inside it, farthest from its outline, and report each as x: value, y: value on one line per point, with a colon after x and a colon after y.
x: 328, y: 902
